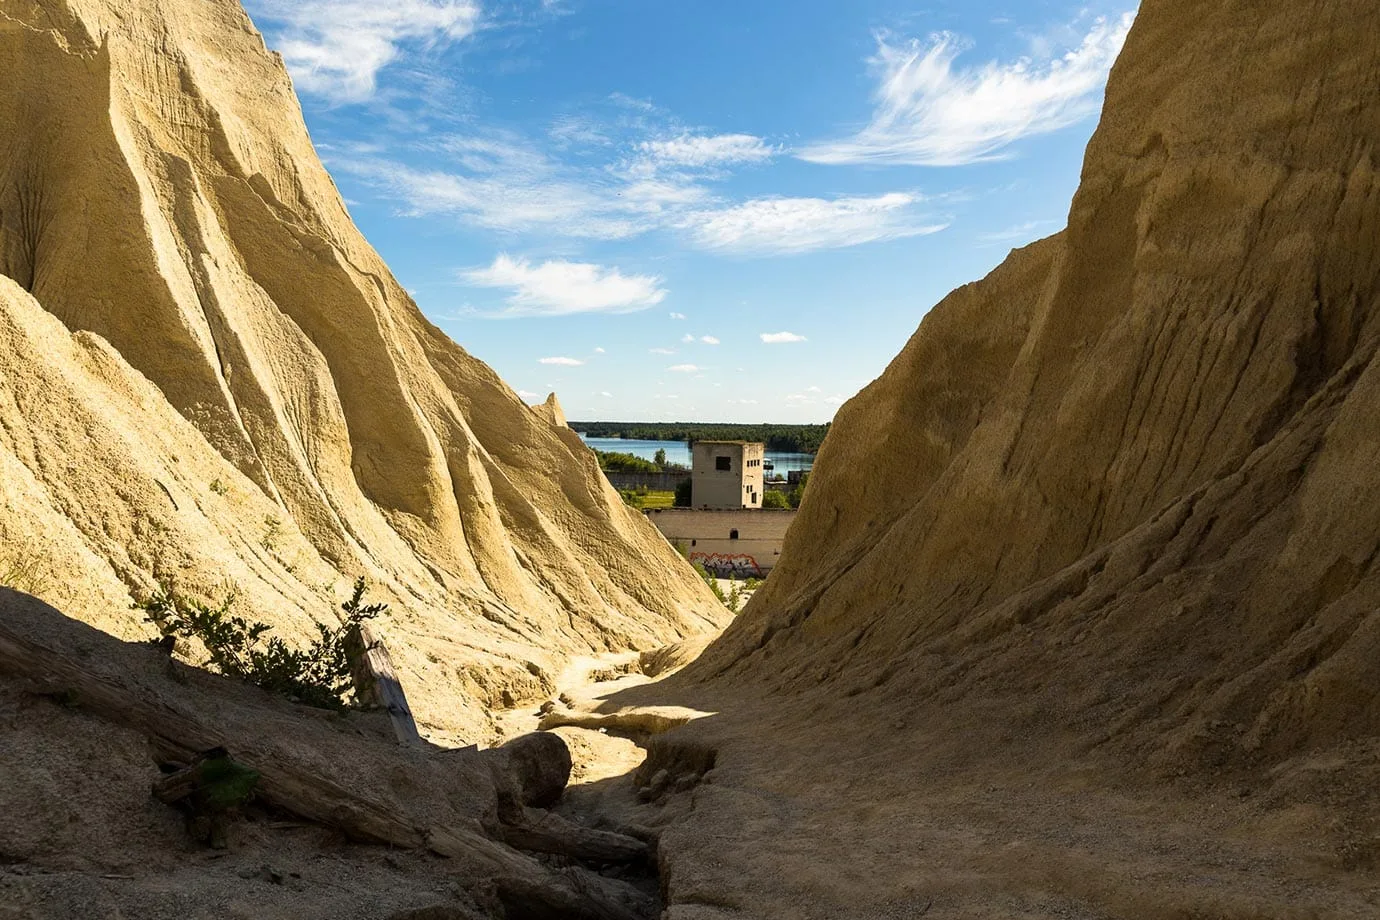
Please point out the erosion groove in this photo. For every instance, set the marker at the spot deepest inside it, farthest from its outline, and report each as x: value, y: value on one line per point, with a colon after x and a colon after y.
x: 188, y: 310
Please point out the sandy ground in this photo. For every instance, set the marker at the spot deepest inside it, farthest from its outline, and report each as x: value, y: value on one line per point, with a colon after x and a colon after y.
x: 806, y: 815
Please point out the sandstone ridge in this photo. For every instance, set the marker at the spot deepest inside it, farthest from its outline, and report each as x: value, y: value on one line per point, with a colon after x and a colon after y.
x: 208, y: 377
x: 1139, y: 459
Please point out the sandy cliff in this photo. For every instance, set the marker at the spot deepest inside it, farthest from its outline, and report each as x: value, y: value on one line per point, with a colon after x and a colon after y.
x: 208, y: 376
x: 1146, y: 446
x: 1079, y: 616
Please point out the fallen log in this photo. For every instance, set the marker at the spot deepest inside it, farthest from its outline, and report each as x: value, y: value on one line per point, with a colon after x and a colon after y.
x: 526, y: 887
x: 544, y: 832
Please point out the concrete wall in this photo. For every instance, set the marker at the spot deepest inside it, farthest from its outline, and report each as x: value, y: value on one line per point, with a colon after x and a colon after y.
x: 739, y: 486
x: 706, y: 537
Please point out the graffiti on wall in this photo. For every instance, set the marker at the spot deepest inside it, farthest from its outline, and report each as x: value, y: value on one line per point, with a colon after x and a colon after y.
x: 728, y: 565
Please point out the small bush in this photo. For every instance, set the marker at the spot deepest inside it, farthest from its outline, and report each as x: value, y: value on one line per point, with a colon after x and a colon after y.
x: 684, y: 493
x: 316, y: 676
x: 774, y: 498
x: 23, y: 569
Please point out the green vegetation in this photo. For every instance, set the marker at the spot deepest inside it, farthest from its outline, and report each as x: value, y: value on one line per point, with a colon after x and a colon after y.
x: 799, y: 439
x: 23, y: 569
x: 273, y: 529
x: 684, y: 494
x: 642, y: 498
x: 775, y: 498
x: 316, y: 676
x: 797, y: 495
x: 624, y: 463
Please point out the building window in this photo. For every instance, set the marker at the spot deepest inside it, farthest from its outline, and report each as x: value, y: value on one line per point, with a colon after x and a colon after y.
x: 723, y: 463
x: 733, y: 534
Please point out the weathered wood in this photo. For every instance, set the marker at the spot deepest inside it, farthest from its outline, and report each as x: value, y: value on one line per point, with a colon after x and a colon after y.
x: 377, y: 683
x: 181, y: 784
x: 528, y: 888
x: 178, y: 738
x: 544, y: 832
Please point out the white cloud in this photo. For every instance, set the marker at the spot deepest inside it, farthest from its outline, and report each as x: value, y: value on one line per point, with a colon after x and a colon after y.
x: 336, y: 48
x: 662, y: 351
x: 528, y: 396
x: 687, y: 338
x: 562, y: 362
x: 677, y: 316
x: 813, y: 390
x: 1017, y: 233
x: 786, y: 225
x: 559, y: 288
x: 501, y: 181
x: 709, y: 340
x: 598, y: 350
x: 700, y: 151
x: 930, y: 114
x: 606, y: 394
x: 683, y: 368
x: 781, y: 338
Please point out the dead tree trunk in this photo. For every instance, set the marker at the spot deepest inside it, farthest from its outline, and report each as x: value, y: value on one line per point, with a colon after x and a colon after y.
x: 523, y: 884
x: 377, y: 684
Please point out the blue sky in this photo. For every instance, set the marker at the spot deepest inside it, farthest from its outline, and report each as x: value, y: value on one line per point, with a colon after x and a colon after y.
x: 696, y: 210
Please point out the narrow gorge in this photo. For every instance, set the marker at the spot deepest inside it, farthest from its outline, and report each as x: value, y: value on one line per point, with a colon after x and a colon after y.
x: 1112, y: 651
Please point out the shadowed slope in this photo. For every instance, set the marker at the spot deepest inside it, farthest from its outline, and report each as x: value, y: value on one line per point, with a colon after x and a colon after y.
x: 1133, y: 471
x: 188, y: 235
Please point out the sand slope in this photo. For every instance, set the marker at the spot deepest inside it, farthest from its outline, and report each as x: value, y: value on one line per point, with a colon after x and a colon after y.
x: 1146, y: 445
x: 207, y: 375
x: 1079, y: 616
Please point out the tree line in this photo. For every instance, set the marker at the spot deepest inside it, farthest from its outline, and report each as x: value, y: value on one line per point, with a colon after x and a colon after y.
x: 796, y: 439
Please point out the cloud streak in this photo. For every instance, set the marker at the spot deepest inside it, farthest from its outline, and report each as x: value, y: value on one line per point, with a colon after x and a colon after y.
x: 930, y: 113
x: 781, y: 338
x: 336, y: 48
x: 791, y: 225
x: 561, y: 288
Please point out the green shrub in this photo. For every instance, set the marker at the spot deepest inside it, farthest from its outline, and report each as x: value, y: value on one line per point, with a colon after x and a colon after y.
x: 684, y: 493
x: 774, y: 498
x: 316, y: 676
x: 23, y: 569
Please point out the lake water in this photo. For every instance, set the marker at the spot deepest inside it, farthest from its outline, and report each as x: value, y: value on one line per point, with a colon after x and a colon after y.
x: 679, y: 452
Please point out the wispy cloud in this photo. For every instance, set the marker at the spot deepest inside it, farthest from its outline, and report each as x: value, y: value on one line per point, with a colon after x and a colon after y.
x: 683, y: 368
x: 336, y: 48
x: 1018, y: 233
x: 701, y: 151
x: 559, y: 288
x: 561, y: 361
x: 929, y: 113
x: 662, y: 351
x: 781, y: 338
x: 709, y: 340
x: 677, y: 316
x: 787, y: 225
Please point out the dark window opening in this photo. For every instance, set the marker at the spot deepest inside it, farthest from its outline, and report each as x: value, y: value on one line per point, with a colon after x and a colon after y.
x: 723, y: 463
x: 733, y: 534
x: 694, y: 542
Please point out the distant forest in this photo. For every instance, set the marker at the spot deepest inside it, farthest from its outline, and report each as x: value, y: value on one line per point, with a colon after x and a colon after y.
x: 799, y: 439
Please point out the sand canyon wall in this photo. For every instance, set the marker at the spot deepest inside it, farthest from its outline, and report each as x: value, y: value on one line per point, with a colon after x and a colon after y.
x: 1145, y: 448
x: 208, y: 377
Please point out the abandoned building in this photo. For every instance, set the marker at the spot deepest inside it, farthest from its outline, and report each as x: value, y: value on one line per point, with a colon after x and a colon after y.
x: 727, y: 475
